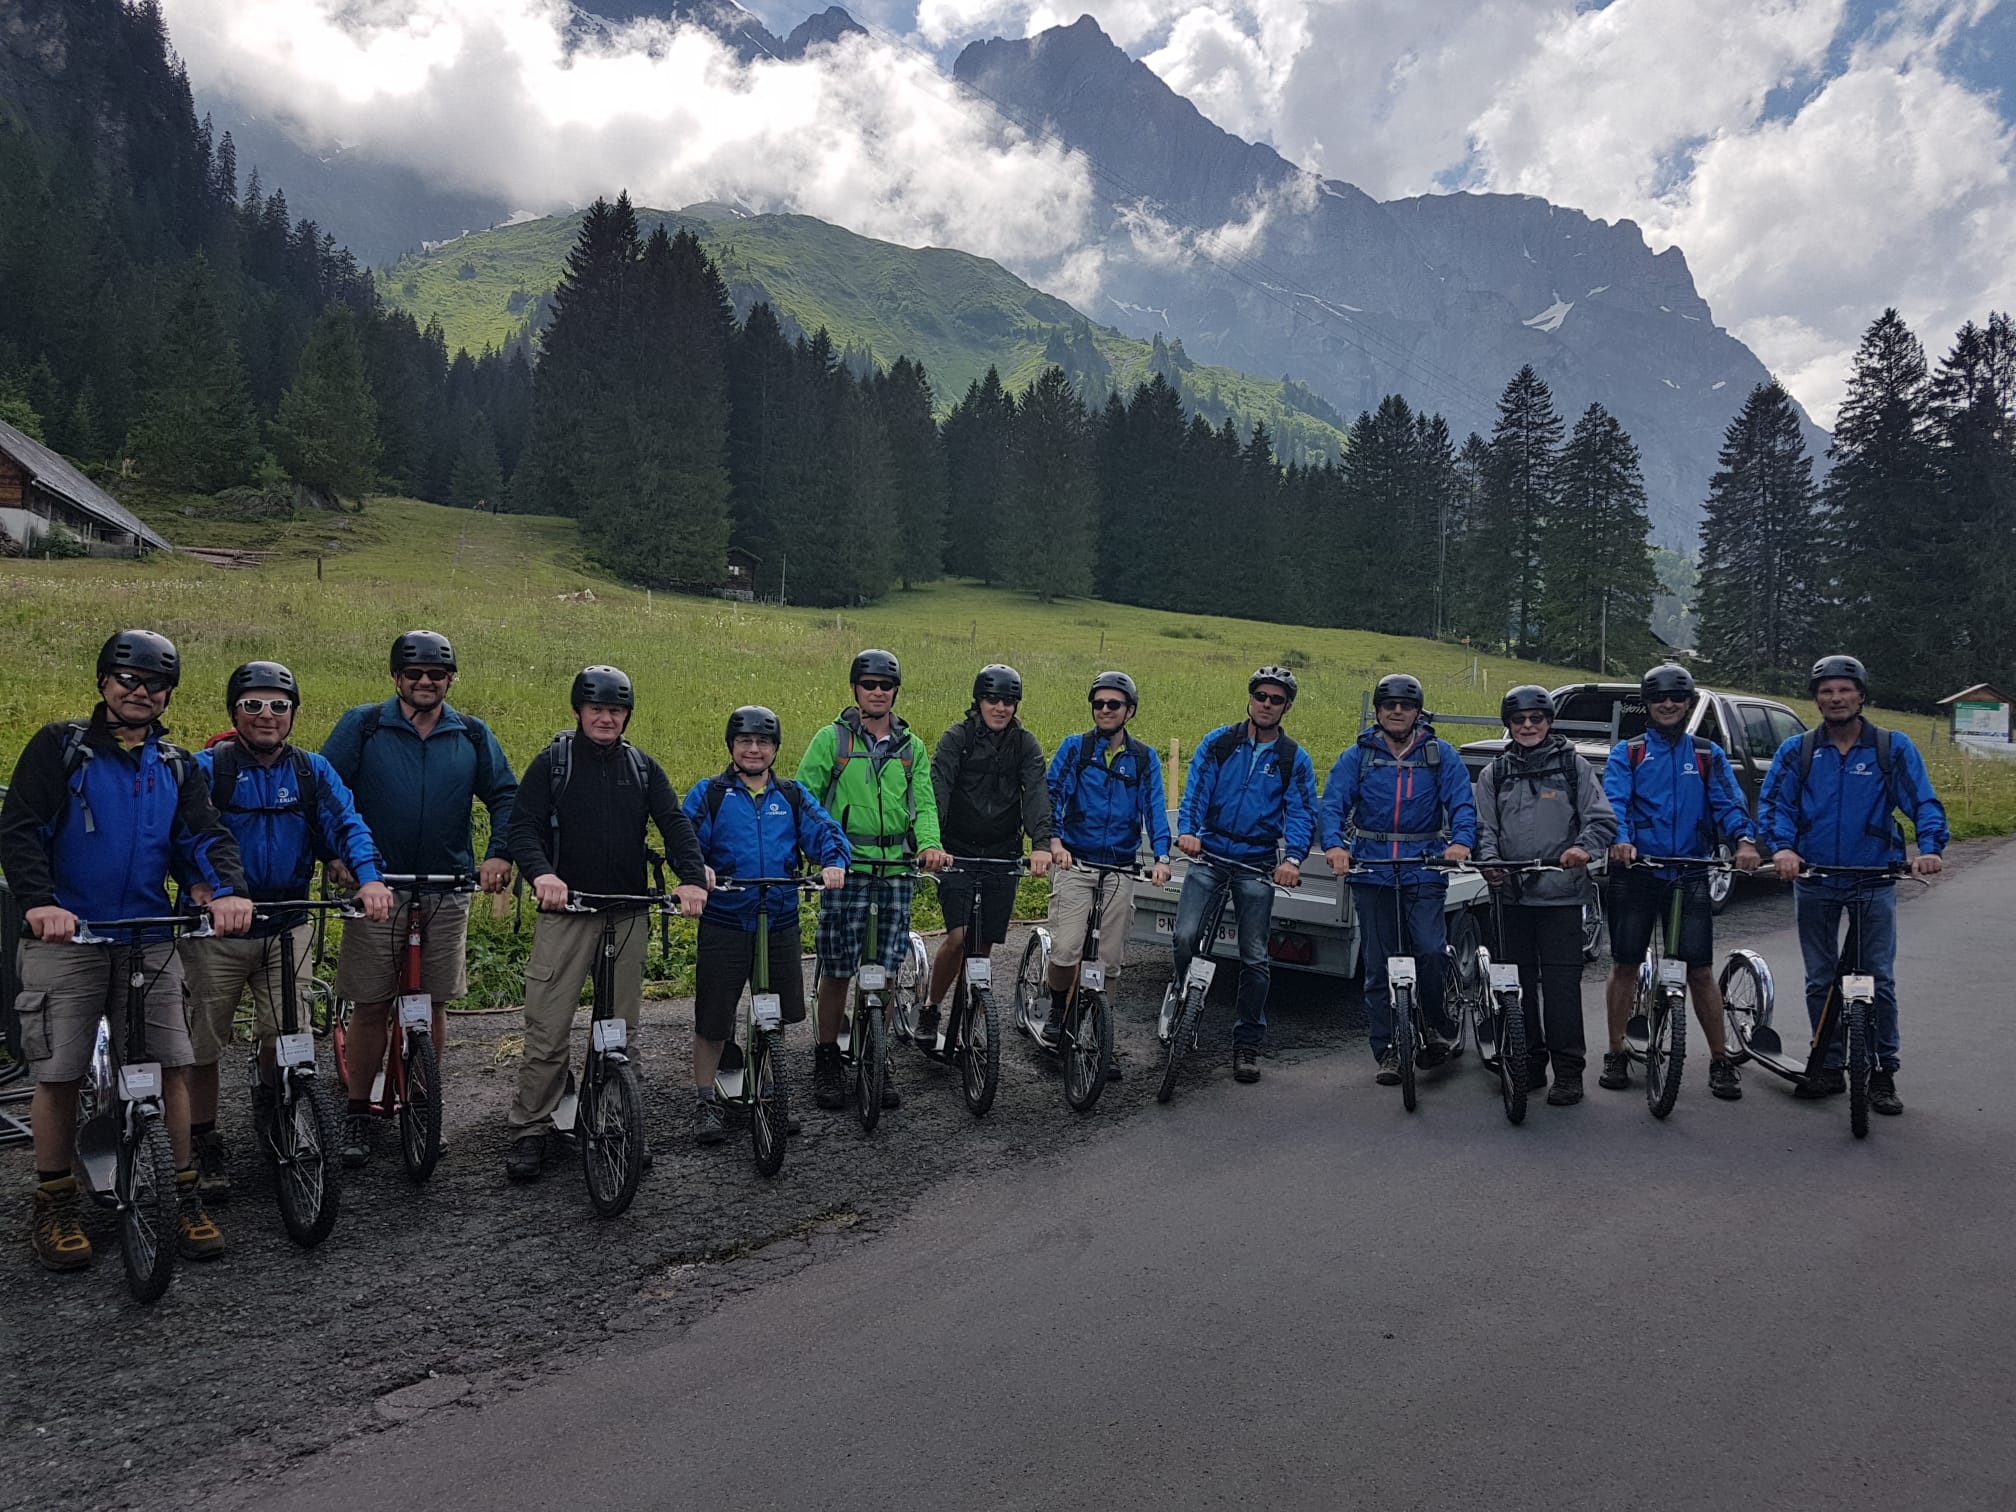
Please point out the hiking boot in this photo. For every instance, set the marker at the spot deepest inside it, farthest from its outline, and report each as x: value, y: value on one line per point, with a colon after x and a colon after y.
x: 1245, y: 1064
x: 1388, y: 1074
x: 1616, y: 1071
x: 264, y: 1104
x: 213, y: 1168
x: 1723, y: 1079
x: 926, y: 1036
x: 1052, y: 1030
x: 59, y: 1238
x: 891, y: 1098
x: 826, y: 1088
x: 1567, y: 1089
x: 197, y: 1236
x: 710, y: 1121
x: 527, y: 1158
x: 1433, y: 1052
x: 1883, y: 1093
x: 1831, y: 1082
x: 1113, y: 1067
x: 1536, y: 1078
x: 356, y: 1141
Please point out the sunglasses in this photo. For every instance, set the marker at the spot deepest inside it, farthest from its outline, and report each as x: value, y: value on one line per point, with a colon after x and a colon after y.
x: 132, y: 680
x: 993, y: 698
x: 1394, y: 703
x: 1270, y: 698
x: 426, y: 674
x: 1526, y: 719
x: 1107, y: 705
x: 261, y: 705
x: 1668, y: 698
x: 876, y: 685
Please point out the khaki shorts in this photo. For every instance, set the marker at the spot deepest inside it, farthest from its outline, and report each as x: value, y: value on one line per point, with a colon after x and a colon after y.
x: 64, y: 989
x: 220, y: 970
x: 367, y: 967
x: 1071, y: 908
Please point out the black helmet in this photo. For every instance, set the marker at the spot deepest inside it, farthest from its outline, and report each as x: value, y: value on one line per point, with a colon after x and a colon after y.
x: 1120, y: 683
x: 602, y: 685
x: 422, y: 648
x: 1401, y: 686
x: 1668, y: 678
x: 144, y: 651
x: 997, y: 681
x: 754, y: 719
x: 1279, y: 675
x: 1838, y: 666
x: 875, y: 664
x: 259, y: 674
x: 1527, y: 698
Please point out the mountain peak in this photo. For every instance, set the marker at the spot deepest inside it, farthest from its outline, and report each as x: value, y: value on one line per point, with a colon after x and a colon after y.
x: 823, y: 30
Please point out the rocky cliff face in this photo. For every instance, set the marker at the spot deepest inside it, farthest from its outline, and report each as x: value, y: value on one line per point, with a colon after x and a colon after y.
x: 1441, y: 298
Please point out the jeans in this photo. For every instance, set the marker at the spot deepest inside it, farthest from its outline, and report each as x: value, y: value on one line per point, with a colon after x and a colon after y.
x: 1546, y: 945
x: 1820, y: 910
x: 1253, y: 904
x: 1378, y: 936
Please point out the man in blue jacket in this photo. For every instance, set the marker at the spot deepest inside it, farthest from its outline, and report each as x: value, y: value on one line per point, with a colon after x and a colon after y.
x: 1399, y: 793
x: 1830, y: 799
x: 752, y: 823
x: 1675, y: 795
x: 284, y: 806
x: 417, y: 766
x: 1105, y: 793
x: 98, y: 815
x: 1250, y: 797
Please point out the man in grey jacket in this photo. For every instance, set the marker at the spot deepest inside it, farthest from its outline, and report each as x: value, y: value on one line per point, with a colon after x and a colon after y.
x: 1541, y: 801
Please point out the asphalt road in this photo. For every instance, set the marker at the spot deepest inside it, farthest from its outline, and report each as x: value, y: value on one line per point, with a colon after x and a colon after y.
x: 1296, y: 1293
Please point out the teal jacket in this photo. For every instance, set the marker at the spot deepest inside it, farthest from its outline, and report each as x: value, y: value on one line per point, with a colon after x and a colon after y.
x: 417, y: 795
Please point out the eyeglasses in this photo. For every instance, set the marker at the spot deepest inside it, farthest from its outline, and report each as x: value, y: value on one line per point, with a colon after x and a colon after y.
x: 425, y: 674
x: 992, y: 698
x: 1270, y: 698
x: 1396, y: 703
x: 1107, y: 705
x: 132, y: 680
x: 261, y: 705
x: 1526, y: 719
x: 876, y: 685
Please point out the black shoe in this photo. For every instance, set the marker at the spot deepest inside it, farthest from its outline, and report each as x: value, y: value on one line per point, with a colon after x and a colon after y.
x: 1723, y: 1079
x: 1433, y: 1052
x: 527, y: 1158
x: 1388, y: 1074
x: 826, y: 1088
x: 891, y: 1098
x: 1245, y: 1063
x: 1883, y: 1093
x: 925, y: 1036
x: 213, y: 1167
x: 710, y: 1121
x: 1113, y: 1067
x: 1823, y: 1083
x: 1052, y: 1030
x: 356, y: 1141
x: 1567, y: 1089
x: 1616, y: 1071
x: 1536, y: 1078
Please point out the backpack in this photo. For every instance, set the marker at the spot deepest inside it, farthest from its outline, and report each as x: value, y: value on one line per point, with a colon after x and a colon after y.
x: 1703, y: 752
x: 844, y: 751
x: 1879, y: 828
x: 225, y: 765
x: 719, y: 786
x: 77, y: 755
x: 560, y: 771
x: 1088, y: 757
x: 1431, y: 758
x: 1571, y: 779
x: 472, y: 730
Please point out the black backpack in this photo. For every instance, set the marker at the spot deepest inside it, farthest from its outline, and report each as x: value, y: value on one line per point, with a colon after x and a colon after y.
x: 472, y: 730
x: 560, y: 771
x: 1566, y: 770
x: 77, y: 754
x: 720, y: 785
x: 1226, y: 746
x: 1431, y: 758
x: 1879, y: 828
x: 1088, y: 757
x: 227, y: 759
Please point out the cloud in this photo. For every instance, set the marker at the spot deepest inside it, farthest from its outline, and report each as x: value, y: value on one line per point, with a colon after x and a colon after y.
x: 867, y: 135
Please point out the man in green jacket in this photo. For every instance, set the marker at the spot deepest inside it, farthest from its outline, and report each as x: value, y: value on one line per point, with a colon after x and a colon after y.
x: 874, y: 776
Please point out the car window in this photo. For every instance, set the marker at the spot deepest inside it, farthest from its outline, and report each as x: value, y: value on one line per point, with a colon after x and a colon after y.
x: 1785, y: 724
x: 1593, y: 706
x: 1710, y: 727
x: 1758, y: 740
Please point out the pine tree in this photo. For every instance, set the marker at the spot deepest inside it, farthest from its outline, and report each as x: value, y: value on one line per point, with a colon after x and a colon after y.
x: 977, y: 439
x: 477, y: 482
x: 1518, y: 494
x: 326, y: 434
x: 917, y: 460
x: 1756, y: 607
x: 1597, y: 582
x: 197, y: 429
x: 1973, y: 411
x: 1384, y: 487
x: 1051, y: 502
x: 769, y: 444
x: 1140, y: 539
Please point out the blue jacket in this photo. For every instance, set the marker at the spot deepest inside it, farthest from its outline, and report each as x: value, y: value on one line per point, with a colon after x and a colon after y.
x: 275, y: 844
x: 1843, y: 816
x: 417, y: 794
x: 761, y: 837
x: 1100, y: 807
x: 1372, y: 793
x: 103, y: 839
x: 1666, y: 806
x: 1244, y: 805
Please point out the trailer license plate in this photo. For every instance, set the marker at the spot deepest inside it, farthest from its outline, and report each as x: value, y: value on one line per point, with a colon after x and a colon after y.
x: 1228, y: 934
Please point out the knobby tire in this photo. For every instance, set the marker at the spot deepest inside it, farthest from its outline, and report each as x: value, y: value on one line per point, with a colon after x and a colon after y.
x: 980, y: 1050
x: 1858, y: 1069
x: 1180, y: 1038
x: 1087, y: 1043
x: 870, y: 1066
x: 1512, y: 1060
x: 147, y: 1207
x: 1403, y: 1045
x: 420, y: 1108
x: 306, y: 1137
x: 1665, y: 1052
x: 770, y: 1108
x: 610, y: 1132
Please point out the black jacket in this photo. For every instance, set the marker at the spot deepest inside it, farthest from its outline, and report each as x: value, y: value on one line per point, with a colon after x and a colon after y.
x: 600, y: 838
x: 990, y: 788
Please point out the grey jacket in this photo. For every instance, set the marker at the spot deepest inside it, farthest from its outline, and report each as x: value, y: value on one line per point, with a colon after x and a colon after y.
x: 1527, y: 816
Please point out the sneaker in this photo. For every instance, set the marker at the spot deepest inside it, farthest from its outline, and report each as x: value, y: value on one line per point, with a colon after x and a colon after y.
x: 197, y: 1236
x: 1823, y: 1083
x: 59, y: 1238
x: 826, y: 1088
x: 527, y: 1158
x: 213, y: 1168
x: 1567, y: 1089
x: 1388, y: 1074
x: 1052, y: 1030
x: 1616, y: 1071
x: 1883, y: 1093
x: 1245, y: 1063
x: 356, y: 1141
x: 926, y: 1036
x: 1723, y: 1079
x: 891, y: 1098
x: 710, y: 1121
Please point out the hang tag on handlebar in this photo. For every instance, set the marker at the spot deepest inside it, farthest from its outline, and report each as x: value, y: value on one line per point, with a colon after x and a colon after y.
x: 1201, y: 972
x: 979, y: 972
x: 1504, y: 976
x: 767, y: 1009
x: 295, y: 1049
x: 609, y: 1034
x: 1399, y: 971
x: 416, y: 1011
x: 874, y: 978
x: 1092, y: 976
x: 1672, y: 975
x: 141, y: 1079
x: 1858, y: 989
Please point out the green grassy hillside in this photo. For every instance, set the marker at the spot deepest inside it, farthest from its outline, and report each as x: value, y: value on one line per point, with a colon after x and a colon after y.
x: 956, y: 313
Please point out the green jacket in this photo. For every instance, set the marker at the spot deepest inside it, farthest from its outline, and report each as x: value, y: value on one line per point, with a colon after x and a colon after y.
x: 888, y: 810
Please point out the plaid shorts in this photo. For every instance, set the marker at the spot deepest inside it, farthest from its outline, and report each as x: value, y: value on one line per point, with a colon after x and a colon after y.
x: 843, y: 923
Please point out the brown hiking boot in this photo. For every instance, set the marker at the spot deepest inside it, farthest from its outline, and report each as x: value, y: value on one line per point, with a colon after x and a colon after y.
x: 59, y: 1238
x: 197, y: 1236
